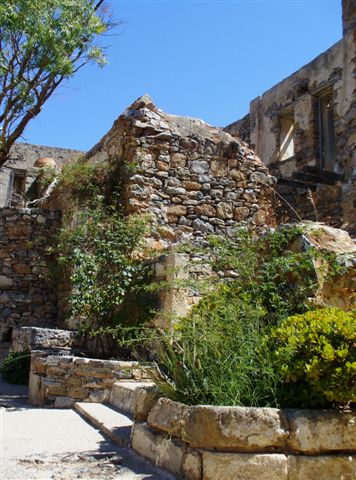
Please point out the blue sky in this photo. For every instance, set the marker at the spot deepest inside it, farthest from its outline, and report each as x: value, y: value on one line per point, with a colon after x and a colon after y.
x: 203, y: 59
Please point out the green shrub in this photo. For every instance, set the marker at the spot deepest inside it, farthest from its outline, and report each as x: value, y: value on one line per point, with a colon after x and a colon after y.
x: 316, y: 356
x: 218, y: 356
x: 16, y: 367
x: 99, y: 259
x: 277, y: 280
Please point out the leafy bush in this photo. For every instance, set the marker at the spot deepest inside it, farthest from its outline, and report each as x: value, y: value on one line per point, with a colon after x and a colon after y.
x: 100, y: 259
x: 16, y: 367
x: 316, y: 356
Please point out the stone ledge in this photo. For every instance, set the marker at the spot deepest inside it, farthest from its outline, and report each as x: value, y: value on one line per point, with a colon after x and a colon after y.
x: 317, y: 431
x: 247, y: 429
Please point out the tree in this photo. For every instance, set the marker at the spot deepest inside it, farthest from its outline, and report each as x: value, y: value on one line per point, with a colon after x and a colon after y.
x: 42, y: 43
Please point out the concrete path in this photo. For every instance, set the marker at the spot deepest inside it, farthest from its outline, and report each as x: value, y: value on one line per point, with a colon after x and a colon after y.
x: 54, y: 444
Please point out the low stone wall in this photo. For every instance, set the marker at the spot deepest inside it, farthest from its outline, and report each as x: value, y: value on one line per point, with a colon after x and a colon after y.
x: 27, y: 292
x: 231, y: 443
x: 62, y: 380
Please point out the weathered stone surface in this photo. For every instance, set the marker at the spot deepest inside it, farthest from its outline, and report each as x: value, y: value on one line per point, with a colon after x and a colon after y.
x: 324, y: 467
x: 158, y: 448
x: 192, y: 465
x: 235, y: 428
x: 316, y: 431
x: 31, y: 338
x: 168, y: 416
x: 64, y: 402
x: 244, y: 466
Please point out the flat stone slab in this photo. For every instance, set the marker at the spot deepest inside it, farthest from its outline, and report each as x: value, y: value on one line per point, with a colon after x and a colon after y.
x: 112, y: 423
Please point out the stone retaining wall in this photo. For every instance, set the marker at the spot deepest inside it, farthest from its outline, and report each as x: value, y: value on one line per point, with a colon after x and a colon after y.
x: 27, y: 293
x: 62, y: 380
x: 241, y: 443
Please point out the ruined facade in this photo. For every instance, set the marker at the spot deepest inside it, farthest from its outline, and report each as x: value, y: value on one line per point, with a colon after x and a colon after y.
x: 18, y: 174
x: 304, y: 130
x: 191, y: 178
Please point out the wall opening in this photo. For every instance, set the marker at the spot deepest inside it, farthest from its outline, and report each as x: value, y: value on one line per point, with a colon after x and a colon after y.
x: 18, y: 187
x: 286, y: 136
x: 326, y: 138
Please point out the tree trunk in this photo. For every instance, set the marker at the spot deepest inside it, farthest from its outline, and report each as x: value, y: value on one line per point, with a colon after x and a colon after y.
x: 4, y: 156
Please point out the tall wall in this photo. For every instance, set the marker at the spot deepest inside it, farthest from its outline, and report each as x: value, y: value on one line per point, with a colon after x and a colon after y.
x: 27, y: 291
x: 193, y: 179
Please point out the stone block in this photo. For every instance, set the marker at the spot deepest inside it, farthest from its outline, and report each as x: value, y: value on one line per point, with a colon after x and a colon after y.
x: 317, y: 431
x: 168, y: 416
x: 192, y: 465
x: 324, y: 467
x: 244, y: 429
x: 78, y: 393
x: 56, y: 389
x: 244, y: 466
x: 36, y: 391
x: 158, y: 448
x: 99, y: 396
x: 64, y: 402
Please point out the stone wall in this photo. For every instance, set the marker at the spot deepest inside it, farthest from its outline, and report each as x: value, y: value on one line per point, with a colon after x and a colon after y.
x: 209, y: 443
x: 62, y: 380
x: 27, y: 291
x: 191, y: 178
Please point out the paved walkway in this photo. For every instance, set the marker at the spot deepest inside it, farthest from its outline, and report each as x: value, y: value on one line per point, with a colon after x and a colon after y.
x: 54, y: 444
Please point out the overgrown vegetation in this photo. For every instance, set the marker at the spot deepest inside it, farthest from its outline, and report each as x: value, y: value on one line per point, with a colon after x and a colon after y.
x: 100, y: 259
x: 224, y: 353
x: 16, y: 367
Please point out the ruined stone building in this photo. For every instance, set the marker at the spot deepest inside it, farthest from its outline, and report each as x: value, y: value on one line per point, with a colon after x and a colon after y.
x: 304, y: 130
x: 19, y: 172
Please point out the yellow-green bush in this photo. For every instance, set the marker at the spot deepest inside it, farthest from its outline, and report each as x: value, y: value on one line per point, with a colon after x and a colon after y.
x: 316, y: 355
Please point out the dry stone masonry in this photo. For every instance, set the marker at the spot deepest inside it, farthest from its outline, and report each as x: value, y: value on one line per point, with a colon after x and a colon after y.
x: 193, y: 179
x: 210, y: 443
x: 27, y: 293
x: 62, y: 380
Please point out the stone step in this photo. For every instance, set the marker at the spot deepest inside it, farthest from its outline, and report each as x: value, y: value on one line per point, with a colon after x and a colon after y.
x: 117, y: 426
x: 133, y: 398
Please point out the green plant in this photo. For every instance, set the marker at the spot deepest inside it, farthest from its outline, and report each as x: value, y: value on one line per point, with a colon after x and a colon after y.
x: 100, y: 259
x: 218, y: 356
x: 82, y: 179
x: 16, y: 367
x: 277, y: 279
x: 316, y: 355
x: 221, y: 354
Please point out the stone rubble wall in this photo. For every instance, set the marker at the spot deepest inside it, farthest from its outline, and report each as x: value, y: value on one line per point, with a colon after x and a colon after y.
x: 191, y: 178
x: 209, y: 443
x: 27, y: 290
x: 62, y: 380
